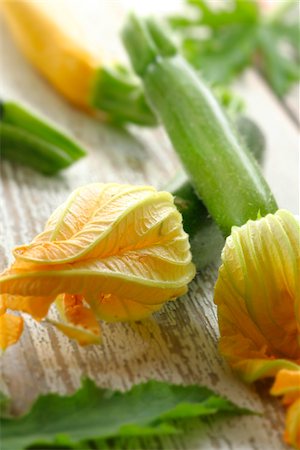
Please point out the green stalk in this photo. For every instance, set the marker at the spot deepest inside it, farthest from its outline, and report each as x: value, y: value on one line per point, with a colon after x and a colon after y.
x: 28, y: 140
x: 23, y: 148
x: 118, y: 92
x: 223, y: 172
x: 14, y: 114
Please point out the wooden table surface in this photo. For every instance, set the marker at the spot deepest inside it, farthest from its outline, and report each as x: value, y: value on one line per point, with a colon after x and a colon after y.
x: 177, y: 344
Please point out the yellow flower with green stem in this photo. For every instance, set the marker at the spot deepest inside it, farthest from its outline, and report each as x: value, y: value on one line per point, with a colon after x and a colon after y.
x: 258, y: 300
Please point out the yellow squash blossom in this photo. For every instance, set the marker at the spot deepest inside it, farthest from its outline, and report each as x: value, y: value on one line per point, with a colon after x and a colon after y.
x: 112, y: 252
x: 258, y: 300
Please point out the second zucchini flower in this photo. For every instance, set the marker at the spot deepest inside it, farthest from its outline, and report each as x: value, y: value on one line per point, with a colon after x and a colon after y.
x: 258, y: 300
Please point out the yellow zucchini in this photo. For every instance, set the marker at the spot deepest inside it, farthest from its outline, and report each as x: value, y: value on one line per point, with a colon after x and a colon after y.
x: 51, y: 38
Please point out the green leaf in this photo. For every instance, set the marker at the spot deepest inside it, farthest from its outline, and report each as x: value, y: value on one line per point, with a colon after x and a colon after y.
x: 221, y: 42
x: 222, y: 56
x: 231, y: 12
x: 92, y: 414
x: 279, y: 66
x: 4, y: 405
x: 288, y: 33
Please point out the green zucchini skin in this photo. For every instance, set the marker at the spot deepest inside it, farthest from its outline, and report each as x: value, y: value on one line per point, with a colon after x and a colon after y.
x: 19, y: 146
x: 222, y: 171
x: 224, y: 174
x: 206, y: 239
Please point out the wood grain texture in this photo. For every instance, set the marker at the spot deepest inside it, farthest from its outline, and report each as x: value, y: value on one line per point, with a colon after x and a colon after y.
x: 177, y: 344
x: 281, y: 158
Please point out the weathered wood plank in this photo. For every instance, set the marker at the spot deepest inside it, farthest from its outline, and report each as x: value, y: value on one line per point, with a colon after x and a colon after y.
x: 292, y: 103
x: 180, y: 342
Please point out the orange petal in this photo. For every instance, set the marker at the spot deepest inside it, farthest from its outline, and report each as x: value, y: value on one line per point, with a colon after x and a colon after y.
x: 95, y: 234
x: 79, y: 334
x: 287, y: 383
x: 73, y: 310
x: 11, y: 328
x: 113, y: 309
x: 132, y: 274
x: 79, y: 321
x: 2, y: 305
x: 292, y: 430
x: 37, y: 307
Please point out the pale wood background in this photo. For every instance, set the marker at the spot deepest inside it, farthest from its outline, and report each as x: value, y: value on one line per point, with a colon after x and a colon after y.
x: 179, y: 343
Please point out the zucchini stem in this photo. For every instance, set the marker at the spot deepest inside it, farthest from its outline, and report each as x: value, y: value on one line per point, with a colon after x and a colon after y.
x: 118, y: 92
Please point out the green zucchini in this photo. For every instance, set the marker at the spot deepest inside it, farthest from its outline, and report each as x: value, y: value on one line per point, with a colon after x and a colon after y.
x: 222, y: 171
x: 21, y: 147
x: 28, y: 140
x: 205, y: 237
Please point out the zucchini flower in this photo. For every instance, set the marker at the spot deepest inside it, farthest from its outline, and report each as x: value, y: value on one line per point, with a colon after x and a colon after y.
x: 257, y: 297
x: 111, y: 252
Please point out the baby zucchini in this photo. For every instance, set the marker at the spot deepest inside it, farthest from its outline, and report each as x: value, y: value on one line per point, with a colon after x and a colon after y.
x: 223, y: 172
